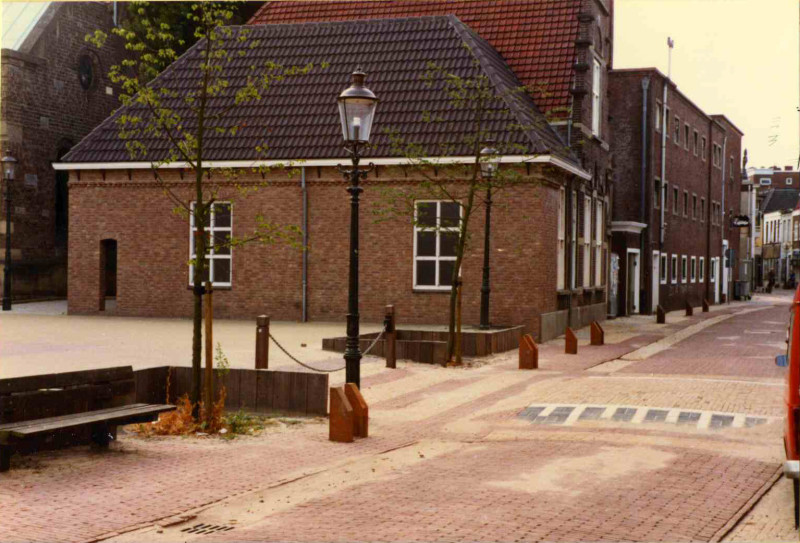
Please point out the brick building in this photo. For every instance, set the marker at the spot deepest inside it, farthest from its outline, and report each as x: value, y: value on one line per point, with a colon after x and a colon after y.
x: 562, y: 51
x: 536, y: 227
x: 701, y: 176
x: 54, y: 92
x: 776, y: 212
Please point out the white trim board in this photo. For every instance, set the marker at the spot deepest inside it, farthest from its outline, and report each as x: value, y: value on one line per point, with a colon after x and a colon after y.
x: 392, y: 161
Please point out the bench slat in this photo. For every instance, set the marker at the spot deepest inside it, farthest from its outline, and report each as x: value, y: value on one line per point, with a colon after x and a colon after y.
x: 67, y: 379
x: 116, y: 414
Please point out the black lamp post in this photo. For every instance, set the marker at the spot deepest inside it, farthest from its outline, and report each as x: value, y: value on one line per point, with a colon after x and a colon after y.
x: 9, y: 163
x: 357, y: 110
x: 490, y: 162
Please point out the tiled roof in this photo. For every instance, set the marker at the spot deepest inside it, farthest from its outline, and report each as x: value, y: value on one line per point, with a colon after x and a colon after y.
x: 298, y: 117
x: 780, y: 199
x: 535, y: 37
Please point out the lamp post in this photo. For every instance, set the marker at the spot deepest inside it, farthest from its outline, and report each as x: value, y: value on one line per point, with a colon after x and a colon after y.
x: 489, y: 164
x: 9, y: 163
x: 357, y: 110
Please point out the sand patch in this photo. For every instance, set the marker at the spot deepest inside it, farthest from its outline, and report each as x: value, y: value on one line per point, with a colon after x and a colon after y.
x: 576, y: 475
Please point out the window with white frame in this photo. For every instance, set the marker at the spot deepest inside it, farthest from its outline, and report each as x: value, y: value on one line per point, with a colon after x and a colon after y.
x: 695, y: 140
x: 712, y: 272
x: 701, y: 274
x: 599, y: 236
x: 596, y: 97
x: 703, y: 147
x: 674, y: 269
x: 573, y: 237
x: 658, y: 116
x: 436, y: 225
x: 677, y: 129
x: 684, y: 268
x: 694, y: 269
x: 587, y: 240
x: 562, y: 229
x: 686, y: 131
x: 675, y: 199
x: 662, y: 270
x: 217, y: 239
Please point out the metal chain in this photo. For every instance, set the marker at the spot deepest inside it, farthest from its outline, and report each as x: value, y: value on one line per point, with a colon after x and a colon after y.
x: 317, y: 369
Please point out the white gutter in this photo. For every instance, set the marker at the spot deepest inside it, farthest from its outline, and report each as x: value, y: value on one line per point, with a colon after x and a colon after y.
x: 393, y: 161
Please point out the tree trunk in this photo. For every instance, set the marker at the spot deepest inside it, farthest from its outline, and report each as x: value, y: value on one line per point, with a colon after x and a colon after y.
x: 462, y: 241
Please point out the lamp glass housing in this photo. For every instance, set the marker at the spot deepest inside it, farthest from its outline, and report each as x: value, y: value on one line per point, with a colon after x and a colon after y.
x: 490, y: 163
x: 357, y: 106
x: 9, y: 164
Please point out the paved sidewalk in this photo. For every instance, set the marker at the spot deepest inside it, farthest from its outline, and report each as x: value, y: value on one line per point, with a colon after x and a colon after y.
x: 450, y: 458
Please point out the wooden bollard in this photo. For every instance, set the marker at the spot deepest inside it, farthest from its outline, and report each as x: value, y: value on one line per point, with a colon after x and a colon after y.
x: 528, y: 353
x: 689, y: 309
x: 705, y: 306
x: 340, y: 419
x: 661, y: 315
x: 360, y: 410
x: 598, y: 334
x: 391, y: 337
x: 571, y: 344
x: 262, y: 342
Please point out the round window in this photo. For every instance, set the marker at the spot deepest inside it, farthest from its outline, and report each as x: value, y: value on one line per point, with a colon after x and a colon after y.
x: 85, y: 72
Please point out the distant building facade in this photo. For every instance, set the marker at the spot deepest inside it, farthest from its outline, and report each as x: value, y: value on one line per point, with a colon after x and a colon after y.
x: 695, y: 189
x: 54, y: 91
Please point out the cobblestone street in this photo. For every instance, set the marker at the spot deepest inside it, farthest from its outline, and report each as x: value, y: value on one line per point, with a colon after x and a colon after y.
x: 667, y: 433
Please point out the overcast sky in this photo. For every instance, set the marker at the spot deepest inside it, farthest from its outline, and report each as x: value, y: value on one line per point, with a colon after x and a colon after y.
x: 736, y: 57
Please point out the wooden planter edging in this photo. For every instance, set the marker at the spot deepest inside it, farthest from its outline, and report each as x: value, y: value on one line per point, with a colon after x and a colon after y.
x: 430, y: 347
x: 260, y: 391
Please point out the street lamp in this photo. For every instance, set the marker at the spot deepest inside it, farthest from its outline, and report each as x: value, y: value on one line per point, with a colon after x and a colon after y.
x: 490, y: 163
x: 9, y: 164
x: 357, y: 110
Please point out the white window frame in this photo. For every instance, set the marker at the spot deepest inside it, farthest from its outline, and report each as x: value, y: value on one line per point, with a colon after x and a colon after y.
x: 712, y: 272
x: 677, y: 129
x: 599, y: 236
x: 701, y: 273
x: 684, y: 268
x: 686, y: 135
x: 663, y: 271
x: 587, y: 240
x: 438, y: 229
x: 674, y: 269
x: 562, y: 231
x: 211, y: 255
x: 659, y: 114
x: 693, y: 270
x: 597, y: 101
x: 765, y: 181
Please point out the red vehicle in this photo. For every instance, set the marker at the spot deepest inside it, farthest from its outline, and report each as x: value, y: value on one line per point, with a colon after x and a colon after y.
x: 791, y: 360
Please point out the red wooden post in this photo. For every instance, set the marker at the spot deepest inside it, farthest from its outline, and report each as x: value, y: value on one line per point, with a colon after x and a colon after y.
x: 391, y: 337
x: 571, y: 344
x: 598, y: 334
x: 528, y: 353
x: 262, y: 342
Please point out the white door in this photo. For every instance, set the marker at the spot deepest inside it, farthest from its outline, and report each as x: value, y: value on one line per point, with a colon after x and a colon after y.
x: 724, y: 276
x: 715, y: 283
x: 633, y: 282
x: 655, y: 280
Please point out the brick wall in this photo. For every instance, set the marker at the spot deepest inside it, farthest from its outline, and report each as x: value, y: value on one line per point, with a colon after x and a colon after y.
x: 695, y: 176
x: 153, y: 252
x: 45, y: 110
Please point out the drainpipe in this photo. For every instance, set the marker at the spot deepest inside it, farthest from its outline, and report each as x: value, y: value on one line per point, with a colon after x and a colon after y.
x: 305, y: 243
x: 722, y: 225
x: 663, y: 161
x: 645, y: 87
x: 709, y: 219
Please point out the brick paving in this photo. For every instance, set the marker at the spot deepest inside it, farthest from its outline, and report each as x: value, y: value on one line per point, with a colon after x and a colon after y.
x: 495, y: 477
x: 750, y: 342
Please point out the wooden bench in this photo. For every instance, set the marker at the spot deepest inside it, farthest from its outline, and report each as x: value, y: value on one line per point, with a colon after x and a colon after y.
x: 64, y: 409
